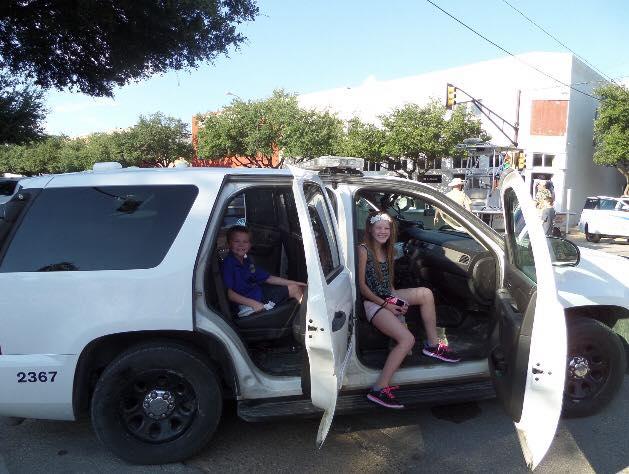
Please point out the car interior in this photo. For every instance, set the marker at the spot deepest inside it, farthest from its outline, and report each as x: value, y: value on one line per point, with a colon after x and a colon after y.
x: 455, y: 266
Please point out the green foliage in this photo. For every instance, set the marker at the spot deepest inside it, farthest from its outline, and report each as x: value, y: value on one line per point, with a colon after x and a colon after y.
x: 93, y: 46
x: 21, y: 111
x: 364, y: 140
x: 611, y: 130
x: 421, y: 133
x: 254, y: 132
x: 154, y: 141
x: 313, y: 134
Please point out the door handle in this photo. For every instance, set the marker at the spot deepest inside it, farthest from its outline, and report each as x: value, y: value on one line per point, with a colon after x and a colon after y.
x: 339, y: 320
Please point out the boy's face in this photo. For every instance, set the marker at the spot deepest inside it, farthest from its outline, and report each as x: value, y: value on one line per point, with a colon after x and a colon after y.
x: 240, y: 244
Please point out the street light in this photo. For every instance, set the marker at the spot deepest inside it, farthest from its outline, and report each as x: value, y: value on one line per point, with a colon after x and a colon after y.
x: 234, y: 95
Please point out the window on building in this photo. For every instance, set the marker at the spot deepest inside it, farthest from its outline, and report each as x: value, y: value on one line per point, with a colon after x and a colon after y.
x: 371, y: 166
x: 548, y: 160
x: 459, y: 162
x: 537, y: 159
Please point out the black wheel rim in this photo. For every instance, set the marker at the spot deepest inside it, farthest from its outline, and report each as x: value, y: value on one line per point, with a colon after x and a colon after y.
x: 157, y: 406
x: 588, y: 369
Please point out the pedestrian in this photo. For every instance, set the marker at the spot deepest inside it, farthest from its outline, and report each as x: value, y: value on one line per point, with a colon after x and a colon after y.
x: 548, y: 215
x: 457, y: 195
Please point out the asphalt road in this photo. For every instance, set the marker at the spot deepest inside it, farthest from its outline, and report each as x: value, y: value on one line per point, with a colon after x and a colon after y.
x: 613, y: 246
x: 464, y: 438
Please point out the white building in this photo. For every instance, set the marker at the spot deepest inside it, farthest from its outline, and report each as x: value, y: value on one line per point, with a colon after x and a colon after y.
x: 555, y: 121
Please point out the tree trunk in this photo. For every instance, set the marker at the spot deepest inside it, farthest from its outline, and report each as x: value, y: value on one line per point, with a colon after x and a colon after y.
x: 623, y: 169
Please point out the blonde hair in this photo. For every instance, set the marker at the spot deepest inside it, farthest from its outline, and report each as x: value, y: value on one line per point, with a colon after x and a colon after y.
x: 388, y: 245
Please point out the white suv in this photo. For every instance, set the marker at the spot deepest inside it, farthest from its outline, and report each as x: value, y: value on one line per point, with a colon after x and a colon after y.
x: 604, y: 216
x: 113, y: 304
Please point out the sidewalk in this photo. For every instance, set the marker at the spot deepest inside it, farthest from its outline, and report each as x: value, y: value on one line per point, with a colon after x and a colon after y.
x: 613, y: 246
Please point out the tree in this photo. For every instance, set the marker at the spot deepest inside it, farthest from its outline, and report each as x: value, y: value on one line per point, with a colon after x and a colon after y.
x: 93, y: 46
x: 262, y: 133
x: 611, y: 130
x: 364, y: 140
x: 156, y: 140
x: 313, y: 134
x: 21, y: 111
x: 423, y: 134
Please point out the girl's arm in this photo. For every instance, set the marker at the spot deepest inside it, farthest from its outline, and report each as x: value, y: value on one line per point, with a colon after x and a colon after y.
x: 275, y: 280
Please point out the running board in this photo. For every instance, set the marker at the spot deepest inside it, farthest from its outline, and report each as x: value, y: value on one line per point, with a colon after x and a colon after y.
x: 254, y: 410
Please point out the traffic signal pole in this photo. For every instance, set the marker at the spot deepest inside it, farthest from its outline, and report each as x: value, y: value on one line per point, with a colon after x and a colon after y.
x: 486, y: 111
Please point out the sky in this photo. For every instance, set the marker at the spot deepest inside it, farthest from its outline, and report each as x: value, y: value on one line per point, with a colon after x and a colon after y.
x: 312, y: 46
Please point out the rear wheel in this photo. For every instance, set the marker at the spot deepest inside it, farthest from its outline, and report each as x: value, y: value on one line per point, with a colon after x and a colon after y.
x: 595, y: 367
x: 156, y: 404
x: 592, y: 237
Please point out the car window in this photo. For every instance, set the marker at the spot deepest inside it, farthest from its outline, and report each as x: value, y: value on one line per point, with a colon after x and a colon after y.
x: 99, y: 228
x: 519, y: 237
x: 591, y: 204
x: 607, y: 205
x: 7, y: 187
x: 325, y: 238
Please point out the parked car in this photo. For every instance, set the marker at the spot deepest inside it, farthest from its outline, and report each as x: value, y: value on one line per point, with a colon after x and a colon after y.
x: 604, y: 216
x: 127, y: 319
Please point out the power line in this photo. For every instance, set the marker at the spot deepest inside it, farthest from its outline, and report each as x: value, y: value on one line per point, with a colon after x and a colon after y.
x: 532, y: 66
x: 562, y: 44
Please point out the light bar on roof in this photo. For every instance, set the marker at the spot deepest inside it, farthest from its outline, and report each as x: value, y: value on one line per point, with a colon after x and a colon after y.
x: 326, y: 162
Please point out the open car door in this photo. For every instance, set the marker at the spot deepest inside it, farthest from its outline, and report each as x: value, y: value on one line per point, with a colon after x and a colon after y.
x: 329, y: 335
x: 528, y: 357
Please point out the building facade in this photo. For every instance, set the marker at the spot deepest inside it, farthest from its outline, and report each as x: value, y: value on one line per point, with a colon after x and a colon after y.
x: 555, y: 121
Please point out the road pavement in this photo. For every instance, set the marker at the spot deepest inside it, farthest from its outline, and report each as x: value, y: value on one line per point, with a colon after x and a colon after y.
x: 613, y: 246
x: 475, y: 437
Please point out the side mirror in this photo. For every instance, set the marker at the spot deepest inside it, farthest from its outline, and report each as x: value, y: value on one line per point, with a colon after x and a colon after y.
x: 404, y: 203
x: 563, y: 252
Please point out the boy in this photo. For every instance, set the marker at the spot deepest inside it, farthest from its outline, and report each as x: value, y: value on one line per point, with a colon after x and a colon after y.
x: 252, y: 289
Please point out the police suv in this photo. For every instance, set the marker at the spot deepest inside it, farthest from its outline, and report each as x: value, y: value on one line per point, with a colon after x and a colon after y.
x: 113, y: 305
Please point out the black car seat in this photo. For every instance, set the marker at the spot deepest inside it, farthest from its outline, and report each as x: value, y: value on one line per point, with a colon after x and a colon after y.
x: 276, y: 323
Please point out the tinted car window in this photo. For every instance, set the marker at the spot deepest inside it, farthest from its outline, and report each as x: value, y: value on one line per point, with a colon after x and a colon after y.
x: 608, y: 204
x: 99, y: 228
x: 321, y: 220
x: 591, y: 204
x: 7, y: 187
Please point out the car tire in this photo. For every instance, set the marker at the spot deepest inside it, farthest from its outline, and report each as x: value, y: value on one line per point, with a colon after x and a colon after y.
x: 594, y: 238
x: 156, y: 404
x: 595, y: 367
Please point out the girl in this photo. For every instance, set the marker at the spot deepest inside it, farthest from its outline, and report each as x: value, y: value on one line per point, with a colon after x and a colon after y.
x: 375, y: 278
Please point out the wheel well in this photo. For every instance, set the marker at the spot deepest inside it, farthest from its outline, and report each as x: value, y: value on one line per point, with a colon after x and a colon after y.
x: 607, y: 314
x: 99, y: 353
x: 615, y: 317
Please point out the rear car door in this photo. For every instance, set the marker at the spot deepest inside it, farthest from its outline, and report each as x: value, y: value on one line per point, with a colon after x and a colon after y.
x: 329, y: 342
x: 528, y: 356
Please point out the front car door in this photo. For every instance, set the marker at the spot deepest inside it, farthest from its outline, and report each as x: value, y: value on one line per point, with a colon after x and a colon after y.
x: 528, y: 355
x: 330, y: 302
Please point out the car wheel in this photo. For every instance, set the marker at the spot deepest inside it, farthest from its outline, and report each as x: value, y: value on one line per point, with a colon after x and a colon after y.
x: 595, y: 367
x: 156, y: 404
x: 592, y: 237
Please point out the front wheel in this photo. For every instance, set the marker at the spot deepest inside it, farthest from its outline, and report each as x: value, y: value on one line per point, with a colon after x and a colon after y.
x: 595, y: 367
x: 156, y: 404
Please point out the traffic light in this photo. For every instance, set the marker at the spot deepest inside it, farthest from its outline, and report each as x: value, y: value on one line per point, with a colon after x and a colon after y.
x: 521, y: 161
x: 451, y: 97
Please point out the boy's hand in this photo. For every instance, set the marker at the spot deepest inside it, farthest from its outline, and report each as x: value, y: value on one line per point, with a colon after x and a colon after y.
x: 257, y: 307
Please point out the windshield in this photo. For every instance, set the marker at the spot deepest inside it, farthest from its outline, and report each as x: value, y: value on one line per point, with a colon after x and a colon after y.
x: 407, y: 210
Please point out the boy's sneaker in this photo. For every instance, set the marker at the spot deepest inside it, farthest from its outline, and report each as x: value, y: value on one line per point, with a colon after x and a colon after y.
x: 385, y: 398
x: 441, y: 352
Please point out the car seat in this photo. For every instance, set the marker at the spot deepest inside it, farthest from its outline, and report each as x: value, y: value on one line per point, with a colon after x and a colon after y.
x: 276, y: 323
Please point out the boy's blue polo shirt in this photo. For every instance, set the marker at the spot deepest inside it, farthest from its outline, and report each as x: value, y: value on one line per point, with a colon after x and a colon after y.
x: 243, y: 278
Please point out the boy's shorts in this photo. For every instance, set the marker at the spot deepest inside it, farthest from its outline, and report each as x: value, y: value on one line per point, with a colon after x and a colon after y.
x: 275, y: 293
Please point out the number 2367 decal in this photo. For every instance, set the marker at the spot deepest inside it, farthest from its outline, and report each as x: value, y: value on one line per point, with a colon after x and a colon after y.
x: 26, y: 377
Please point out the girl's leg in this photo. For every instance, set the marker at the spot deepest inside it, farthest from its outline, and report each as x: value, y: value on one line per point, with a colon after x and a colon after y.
x: 390, y: 325
x: 426, y: 301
